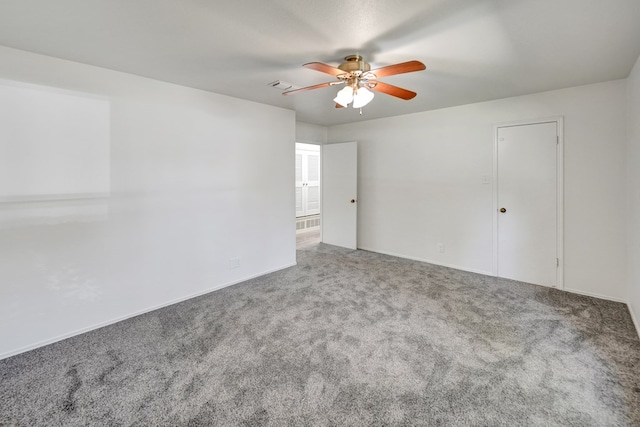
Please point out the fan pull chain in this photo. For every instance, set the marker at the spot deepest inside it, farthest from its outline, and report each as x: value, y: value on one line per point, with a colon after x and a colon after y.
x: 360, y: 110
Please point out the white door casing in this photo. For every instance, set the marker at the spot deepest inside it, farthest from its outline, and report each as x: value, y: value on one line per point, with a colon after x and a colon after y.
x: 528, y: 202
x: 339, y: 194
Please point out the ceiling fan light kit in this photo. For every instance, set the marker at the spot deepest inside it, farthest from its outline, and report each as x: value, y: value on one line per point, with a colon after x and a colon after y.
x: 361, y: 97
x: 344, y: 96
x: 360, y: 80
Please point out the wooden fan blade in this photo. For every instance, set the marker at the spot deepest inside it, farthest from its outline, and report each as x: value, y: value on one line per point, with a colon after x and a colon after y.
x: 303, y: 89
x: 396, y: 91
x: 324, y: 68
x: 338, y: 105
x: 404, y: 67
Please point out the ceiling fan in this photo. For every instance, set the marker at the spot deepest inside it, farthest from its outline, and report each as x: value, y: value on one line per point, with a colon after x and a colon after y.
x: 360, y: 80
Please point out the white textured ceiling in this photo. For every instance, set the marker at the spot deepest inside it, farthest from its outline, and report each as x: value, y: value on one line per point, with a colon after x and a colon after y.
x: 474, y: 50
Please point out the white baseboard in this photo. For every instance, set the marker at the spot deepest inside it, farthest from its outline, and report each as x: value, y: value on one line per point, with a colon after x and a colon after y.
x: 634, y: 319
x: 137, y: 313
x: 489, y: 273
x: 591, y: 294
x: 457, y: 267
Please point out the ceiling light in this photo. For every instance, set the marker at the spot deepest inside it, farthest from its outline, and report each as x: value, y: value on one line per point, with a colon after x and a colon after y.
x: 362, y: 97
x: 344, y: 96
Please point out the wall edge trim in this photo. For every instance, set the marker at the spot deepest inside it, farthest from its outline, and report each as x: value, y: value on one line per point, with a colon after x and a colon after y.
x: 595, y: 295
x: 428, y: 261
x: 137, y: 313
x: 488, y: 273
x: 634, y: 319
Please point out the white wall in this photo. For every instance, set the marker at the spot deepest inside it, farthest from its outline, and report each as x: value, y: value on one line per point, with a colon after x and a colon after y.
x: 53, y: 142
x: 307, y: 132
x: 189, y: 170
x: 633, y: 173
x: 420, y: 182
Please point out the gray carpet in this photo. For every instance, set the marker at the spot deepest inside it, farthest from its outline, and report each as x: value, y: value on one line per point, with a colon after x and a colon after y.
x: 344, y: 338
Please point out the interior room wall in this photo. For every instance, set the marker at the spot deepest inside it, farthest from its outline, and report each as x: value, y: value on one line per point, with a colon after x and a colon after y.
x: 421, y: 182
x: 633, y: 171
x: 310, y: 133
x: 200, y: 197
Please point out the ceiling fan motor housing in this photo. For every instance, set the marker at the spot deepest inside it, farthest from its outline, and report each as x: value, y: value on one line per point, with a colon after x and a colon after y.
x: 354, y: 64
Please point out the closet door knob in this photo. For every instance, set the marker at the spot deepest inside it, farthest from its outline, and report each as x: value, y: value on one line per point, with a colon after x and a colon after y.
x: 503, y: 210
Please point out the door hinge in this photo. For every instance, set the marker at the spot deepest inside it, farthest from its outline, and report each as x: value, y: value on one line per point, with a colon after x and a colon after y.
x: 557, y: 139
x: 557, y: 262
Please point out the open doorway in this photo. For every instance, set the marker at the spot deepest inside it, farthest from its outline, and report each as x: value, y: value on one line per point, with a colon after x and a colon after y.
x: 308, y: 231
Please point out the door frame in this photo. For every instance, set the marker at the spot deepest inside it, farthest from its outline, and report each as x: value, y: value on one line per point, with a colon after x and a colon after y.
x: 559, y: 120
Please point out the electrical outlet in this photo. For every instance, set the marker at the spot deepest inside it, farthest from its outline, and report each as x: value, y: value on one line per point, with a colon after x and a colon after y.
x: 234, y: 263
x: 441, y: 247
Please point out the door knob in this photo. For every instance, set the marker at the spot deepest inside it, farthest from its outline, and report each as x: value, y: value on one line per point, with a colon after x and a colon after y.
x: 353, y: 200
x: 503, y: 210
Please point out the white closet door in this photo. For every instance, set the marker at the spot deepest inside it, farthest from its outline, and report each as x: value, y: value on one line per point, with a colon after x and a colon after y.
x: 299, y: 186
x: 312, y: 202
x: 339, y: 190
x: 527, y: 203
x: 307, y: 180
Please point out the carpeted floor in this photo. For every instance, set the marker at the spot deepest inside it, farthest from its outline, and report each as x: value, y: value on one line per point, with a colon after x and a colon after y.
x: 344, y: 338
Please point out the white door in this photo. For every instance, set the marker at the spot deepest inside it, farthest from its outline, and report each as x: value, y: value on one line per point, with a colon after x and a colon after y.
x: 307, y: 179
x: 299, y: 185
x: 312, y: 183
x: 527, y: 203
x: 339, y: 194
